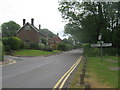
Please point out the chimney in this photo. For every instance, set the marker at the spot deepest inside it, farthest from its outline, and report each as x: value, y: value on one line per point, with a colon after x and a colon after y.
x: 57, y: 34
x: 23, y: 21
x: 32, y: 21
x: 39, y: 26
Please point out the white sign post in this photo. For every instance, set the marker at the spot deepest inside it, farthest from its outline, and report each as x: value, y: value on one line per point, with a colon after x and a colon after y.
x: 101, y: 44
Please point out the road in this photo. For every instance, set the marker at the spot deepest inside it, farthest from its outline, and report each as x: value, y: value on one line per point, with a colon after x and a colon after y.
x: 38, y: 72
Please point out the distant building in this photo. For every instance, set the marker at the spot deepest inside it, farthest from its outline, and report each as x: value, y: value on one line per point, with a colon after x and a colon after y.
x: 28, y: 33
x: 54, y: 41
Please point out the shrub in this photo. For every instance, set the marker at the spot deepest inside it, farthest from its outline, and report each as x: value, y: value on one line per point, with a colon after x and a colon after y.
x: 95, y: 52
x: 69, y: 47
x: 88, y: 51
x: 48, y: 48
x: 110, y: 51
x: 64, y: 47
x: 7, y: 48
x: 41, y: 46
x: 5, y: 41
x: 14, y: 43
x: 1, y: 52
x: 77, y: 46
x: 44, y: 41
x: 22, y: 45
x: 33, y: 46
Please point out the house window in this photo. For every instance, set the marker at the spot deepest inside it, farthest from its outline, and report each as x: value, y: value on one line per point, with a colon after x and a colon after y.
x: 27, y: 28
x: 27, y: 42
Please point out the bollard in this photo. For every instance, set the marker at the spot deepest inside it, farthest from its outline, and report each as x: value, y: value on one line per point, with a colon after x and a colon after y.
x: 87, y: 87
x: 83, y: 71
x: 85, y: 62
x: 81, y: 79
x: 84, y: 66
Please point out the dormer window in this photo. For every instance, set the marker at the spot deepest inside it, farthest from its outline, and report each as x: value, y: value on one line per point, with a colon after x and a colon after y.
x: 27, y: 27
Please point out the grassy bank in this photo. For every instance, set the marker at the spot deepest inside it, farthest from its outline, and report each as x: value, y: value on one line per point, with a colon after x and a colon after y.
x: 34, y: 52
x: 99, y: 74
x: 102, y: 72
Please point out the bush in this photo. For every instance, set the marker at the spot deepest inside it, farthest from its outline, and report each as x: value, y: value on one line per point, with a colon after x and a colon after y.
x: 48, y: 48
x: 64, y: 47
x: 13, y: 43
x: 33, y: 46
x: 1, y: 52
x: 88, y: 51
x: 44, y: 41
x: 77, y: 46
x: 5, y: 41
x: 7, y: 48
x: 22, y: 45
x: 41, y: 46
x: 110, y: 51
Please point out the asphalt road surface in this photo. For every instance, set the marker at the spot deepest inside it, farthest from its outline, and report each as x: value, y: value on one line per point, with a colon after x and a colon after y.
x: 38, y: 72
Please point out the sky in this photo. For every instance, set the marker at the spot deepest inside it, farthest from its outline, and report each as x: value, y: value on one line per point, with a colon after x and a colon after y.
x: 44, y: 12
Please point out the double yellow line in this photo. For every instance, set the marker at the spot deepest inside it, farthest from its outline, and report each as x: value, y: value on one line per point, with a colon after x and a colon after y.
x: 66, y: 75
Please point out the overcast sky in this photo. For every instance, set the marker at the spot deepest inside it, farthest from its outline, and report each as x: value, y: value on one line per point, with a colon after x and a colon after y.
x: 44, y: 12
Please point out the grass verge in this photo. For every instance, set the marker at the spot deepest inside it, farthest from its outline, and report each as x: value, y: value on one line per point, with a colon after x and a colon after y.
x: 99, y: 74
x: 75, y: 81
x: 34, y: 52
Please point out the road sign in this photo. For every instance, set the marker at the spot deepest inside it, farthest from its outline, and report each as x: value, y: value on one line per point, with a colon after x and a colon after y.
x: 103, y: 45
x: 100, y: 37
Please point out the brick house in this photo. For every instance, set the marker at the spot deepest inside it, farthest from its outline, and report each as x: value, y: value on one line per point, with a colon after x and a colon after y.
x: 54, y: 41
x: 28, y: 33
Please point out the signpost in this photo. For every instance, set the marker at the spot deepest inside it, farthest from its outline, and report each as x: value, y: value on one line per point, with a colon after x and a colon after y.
x: 101, y: 44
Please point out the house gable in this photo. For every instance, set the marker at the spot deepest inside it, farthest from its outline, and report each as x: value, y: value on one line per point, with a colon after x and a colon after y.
x: 28, y: 33
x: 25, y: 27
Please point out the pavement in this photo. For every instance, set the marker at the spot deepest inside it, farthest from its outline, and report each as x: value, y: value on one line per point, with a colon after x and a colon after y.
x: 38, y: 72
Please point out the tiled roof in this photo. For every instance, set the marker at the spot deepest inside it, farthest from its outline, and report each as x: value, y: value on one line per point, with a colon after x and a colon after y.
x: 32, y: 27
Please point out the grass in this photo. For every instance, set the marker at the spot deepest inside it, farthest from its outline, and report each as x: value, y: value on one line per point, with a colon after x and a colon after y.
x: 102, y: 72
x: 34, y: 52
x: 100, y: 76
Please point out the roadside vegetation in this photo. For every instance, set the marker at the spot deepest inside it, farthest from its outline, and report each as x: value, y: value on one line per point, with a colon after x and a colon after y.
x: 101, y: 72
x: 104, y: 72
x: 98, y: 75
x: 1, y: 51
x: 86, y: 22
x: 15, y: 46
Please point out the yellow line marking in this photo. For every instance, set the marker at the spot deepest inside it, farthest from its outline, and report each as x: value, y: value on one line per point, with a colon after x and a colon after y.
x: 68, y: 75
x: 64, y: 76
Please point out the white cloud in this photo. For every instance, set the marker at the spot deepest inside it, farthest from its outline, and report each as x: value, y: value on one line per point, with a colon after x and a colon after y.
x: 44, y: 12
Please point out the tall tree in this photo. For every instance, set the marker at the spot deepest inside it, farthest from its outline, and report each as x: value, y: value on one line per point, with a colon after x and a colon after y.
x: 9, y: 28
x: 86, y: 20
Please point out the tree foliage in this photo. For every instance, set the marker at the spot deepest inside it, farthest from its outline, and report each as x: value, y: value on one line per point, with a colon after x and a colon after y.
x: 86, y: 20
x: 13, y: 43
x: 9, y: 28
x: 47, y: 32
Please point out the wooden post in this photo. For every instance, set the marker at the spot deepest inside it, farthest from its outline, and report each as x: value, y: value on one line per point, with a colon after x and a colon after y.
x: 83, y: 71
x: 87, y: 87
x: 82, y: 79
x: 84, y: 66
